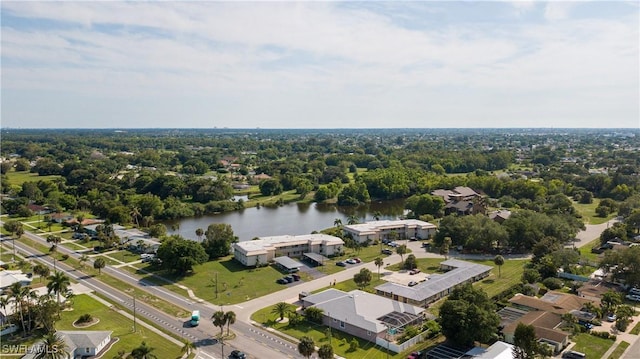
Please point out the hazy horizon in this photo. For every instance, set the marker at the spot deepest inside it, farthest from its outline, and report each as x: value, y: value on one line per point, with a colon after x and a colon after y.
x: 317, y: 65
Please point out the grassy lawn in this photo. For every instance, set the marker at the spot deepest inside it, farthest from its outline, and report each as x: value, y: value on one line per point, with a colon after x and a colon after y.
x: 124, y: 256
x: 636, y: 329
x: 593, y: 346
x: 18, y: 178
x: 510, y: 275
x: 236, y: 283
x: 585, y: 251
x: 588, y: 212
x: 338, y: 338
x: 511, y: 272
x: 349, y: 285
x: 120, y: 325
x: 617, y: 352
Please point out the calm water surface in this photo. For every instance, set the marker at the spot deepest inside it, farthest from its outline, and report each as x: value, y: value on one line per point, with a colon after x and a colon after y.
x: 293, y: 218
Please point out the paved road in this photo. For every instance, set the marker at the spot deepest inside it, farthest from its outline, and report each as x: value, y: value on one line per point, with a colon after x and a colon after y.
x: 251, y: 339
x: 256, y: 342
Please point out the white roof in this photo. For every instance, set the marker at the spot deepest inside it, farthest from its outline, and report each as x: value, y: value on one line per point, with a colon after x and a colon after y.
x: 377, y: 226
x: 8, y: 277
x: 498, y: 350
x: 359, y: 308
x: 261, y: 245
x: 437, y: 283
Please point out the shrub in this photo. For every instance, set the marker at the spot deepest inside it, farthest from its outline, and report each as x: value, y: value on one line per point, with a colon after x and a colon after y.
x: 604, y: 335
x: 553, y: 283
x: 65, y: 257
x: 354, y: 345
x: 85, y: 318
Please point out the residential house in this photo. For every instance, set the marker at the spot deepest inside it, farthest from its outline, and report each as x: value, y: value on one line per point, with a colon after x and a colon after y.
x: 500, y: 215
x: 437, y: 285
x: 546, y: 326
x: 497, y: 350
x: 80, y: 344
x: 362, y: 314
x: 8, y: 277
x: 462, y: 201
x: 265, y: 249
x: 554, y: 302
x: 38, y: 209
x: 386, y: 229
x: 61, y: 217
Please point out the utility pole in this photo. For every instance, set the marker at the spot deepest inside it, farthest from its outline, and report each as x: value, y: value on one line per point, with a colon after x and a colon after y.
x: 216, y: 285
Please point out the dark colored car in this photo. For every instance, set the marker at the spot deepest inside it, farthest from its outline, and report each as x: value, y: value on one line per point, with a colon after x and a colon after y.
x: 386, y: 251
x: 341, y: 264
x: 296, y: 277
x: 281, y: 281
x: 236, y: 354
x: 289, y: 279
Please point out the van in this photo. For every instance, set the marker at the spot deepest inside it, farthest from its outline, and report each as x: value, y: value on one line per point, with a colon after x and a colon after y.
x: 570, y: 354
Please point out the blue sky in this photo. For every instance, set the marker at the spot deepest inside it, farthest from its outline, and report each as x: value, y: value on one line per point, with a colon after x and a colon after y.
x: 320, y: 64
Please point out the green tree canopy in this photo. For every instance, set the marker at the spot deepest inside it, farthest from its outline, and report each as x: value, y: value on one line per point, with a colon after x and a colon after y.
x: 179, y: 255
x: 468, y: 315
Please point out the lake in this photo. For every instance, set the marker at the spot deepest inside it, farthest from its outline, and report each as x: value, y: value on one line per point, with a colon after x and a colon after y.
x: 292, y: 218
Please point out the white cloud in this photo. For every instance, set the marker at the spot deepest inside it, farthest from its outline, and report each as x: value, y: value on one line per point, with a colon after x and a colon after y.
x: 282, y: 61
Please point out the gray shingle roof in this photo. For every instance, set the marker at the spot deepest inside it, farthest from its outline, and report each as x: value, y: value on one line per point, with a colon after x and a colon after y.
x: 360, y: 309
x: 437, y: 283
x: 83, y: 338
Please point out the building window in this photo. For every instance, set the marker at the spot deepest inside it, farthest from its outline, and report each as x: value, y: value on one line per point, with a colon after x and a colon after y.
x: 341, y: 324
x: 368, y: 334
x: 88, y: 350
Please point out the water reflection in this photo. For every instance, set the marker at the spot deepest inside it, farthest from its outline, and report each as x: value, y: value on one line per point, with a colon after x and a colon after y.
x: 293, y: 218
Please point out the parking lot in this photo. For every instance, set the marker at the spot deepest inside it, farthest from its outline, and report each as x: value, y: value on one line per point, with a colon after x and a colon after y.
x: 403, y: 277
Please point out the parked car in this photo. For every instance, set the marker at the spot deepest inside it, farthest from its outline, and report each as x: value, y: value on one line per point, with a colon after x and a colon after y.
x: 414, y: 271
x: 634, y: 291
x: 236, y: 354
x: 296, y: 277
x: 358, y: 260
x: 78, y: 235
x: 386, y: 251
x: 281, y: 281
x: 585, y: 324
x: 570, y: 354
x: 417, y: 355
x: 611, y: 317
x: 634, y: 297
x: 413, y: 283
x: 393, y: 244
x: 341, y: 264
x: 289, y: 279
x: 351, y: 261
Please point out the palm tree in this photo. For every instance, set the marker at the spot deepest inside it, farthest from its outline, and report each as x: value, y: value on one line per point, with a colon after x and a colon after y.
x: 199, y: 233
x: 98, y: 264
x: 187, y: 347
x: 337, y: 222
x: 143, y: 352
x: 58, y: 283
x: 54, y: 247
x: 379, y: 263
x: 135, y: 214
x: 83, y: 259
x: 54, y: 347
x: 219, y: 320
x: 18, y: 293
x: 352, y: 219
x: 230, y: 318
x: 4, y: 301
x: 280, y: 309
x: 377, y: 215
x: 401, y: 250
x: 19, y: 232
x: 499, y: 261
x: 306, y: 347
x: 325, y: 351
x: 41, y: 270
